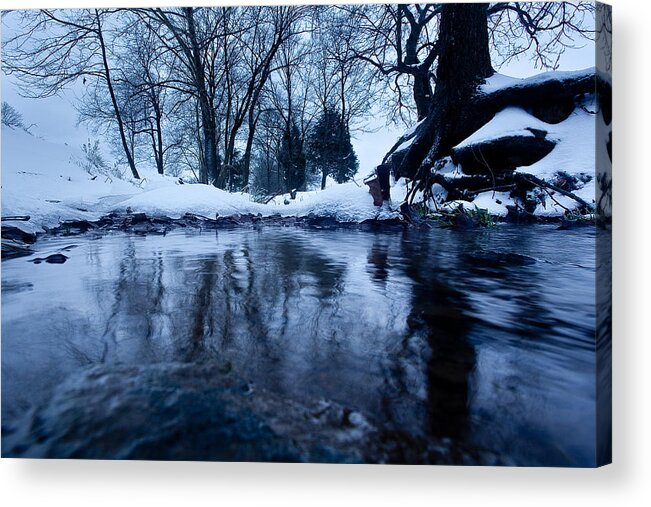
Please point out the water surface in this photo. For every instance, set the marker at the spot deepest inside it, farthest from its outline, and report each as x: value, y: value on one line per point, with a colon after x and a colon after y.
x: 481, y: 338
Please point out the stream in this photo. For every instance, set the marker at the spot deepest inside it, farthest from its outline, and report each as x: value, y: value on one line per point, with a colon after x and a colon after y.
x: 480, y: 343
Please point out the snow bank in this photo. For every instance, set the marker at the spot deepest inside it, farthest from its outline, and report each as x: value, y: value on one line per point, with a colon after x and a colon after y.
x: 348, y: 202
x: 44, y: 180
x: 575, y: 144
x: 499, y: 81
x: 511, y: 121
x: 493, y: 202
x: 176, y: 201
x: 574, y: 152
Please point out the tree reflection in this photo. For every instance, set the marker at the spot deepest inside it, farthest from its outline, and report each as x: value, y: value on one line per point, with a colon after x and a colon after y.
x: 378, y: 259
x: 440, y: 316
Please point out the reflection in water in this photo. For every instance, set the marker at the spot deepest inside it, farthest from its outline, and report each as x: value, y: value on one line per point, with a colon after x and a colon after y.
x: 436, y: 334
x: 441, y: 313
x: 378, y: 259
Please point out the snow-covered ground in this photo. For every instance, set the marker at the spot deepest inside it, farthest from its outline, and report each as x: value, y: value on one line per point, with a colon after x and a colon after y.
x: 44, y: 180
x: 498, y: 81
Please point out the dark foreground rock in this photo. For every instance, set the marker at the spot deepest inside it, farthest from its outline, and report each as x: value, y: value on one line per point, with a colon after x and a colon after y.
x: 182, y: 412
x: 205, y: 412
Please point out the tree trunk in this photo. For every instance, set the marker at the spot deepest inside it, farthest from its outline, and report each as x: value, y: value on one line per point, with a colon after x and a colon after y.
x: 211, y: 171
x: 324, y: 175
x: 210, y: 168
x: 159, y: 151
x: 422, y: 94
x: 114, y: 102
x: 246, y: 162
x: 464, y: 62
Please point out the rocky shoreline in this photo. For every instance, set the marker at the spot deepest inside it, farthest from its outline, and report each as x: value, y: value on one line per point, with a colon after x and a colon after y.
x: 17, y: 242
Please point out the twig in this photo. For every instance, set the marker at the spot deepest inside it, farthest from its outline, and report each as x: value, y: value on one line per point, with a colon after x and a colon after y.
x: 544, y: 184
x: 551, y: 196
x: 273, y: 197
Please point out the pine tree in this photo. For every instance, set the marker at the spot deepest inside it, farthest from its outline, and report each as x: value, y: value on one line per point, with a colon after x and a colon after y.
x: 291, y: 159
x: 330, y: 150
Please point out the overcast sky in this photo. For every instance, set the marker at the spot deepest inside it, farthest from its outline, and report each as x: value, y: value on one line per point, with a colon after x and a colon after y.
x: 56, y: 117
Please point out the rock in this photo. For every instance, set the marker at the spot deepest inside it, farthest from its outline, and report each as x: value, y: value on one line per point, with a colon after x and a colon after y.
x: 161, y: 220
x: 518, y: 215
x: 178, y: 411
x: 319, y: 222
x: 138, y: 218
x: 143, y: 229
x: 554, y: 111
x: 464, y: 221
x: 69, y: 227
x: 573, y: 223
x: 15, y: 234
x: 503, y: 154
x: 57, y: 258
x: 13, y: 248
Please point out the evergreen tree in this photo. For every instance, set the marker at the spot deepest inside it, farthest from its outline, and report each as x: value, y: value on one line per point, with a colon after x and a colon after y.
x: 330, y: 150
x: 291, y: 158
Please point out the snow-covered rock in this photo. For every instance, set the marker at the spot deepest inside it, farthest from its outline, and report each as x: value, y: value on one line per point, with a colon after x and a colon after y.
x: 498, y: 82
x: 549, y: 142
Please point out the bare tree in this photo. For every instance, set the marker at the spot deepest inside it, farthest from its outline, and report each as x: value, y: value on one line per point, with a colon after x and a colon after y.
x: 250, y: 58
x: 339, y: 79
x: 11, y: 117
x: 193, y: 36
x: 55, y: 48
x: 397, y: 41
x: 143, y: 70
x: 539, y: 30
x: 267, y: 178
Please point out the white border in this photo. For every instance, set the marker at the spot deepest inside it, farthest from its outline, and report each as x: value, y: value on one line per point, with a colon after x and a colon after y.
x: 627, y: 482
